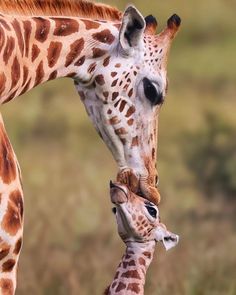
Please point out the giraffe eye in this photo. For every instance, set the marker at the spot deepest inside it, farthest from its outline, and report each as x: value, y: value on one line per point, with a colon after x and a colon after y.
x: 151, y: 92
x: 114, y: 210
x: 152, y: 211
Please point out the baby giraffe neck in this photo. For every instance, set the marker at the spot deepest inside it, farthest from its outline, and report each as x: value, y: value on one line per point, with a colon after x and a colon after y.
x: 131, y: 272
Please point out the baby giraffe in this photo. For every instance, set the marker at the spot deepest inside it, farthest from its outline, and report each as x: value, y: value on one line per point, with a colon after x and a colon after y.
x: 139, y: 227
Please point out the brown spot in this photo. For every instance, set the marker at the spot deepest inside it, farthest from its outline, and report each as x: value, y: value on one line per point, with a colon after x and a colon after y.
x: 130, y: 111
x: 54, y: 51
x: 118, y: 65
x: 99, y: 79
x: 6, y: 287
x: 19, y: 36
x: 92, y: 67
x: 8, y: 49
x: 15, y: 73
x: 12, y: 220
x: 120, y: 131
x: 117, y: 275
x: 104, y: 36
x: 80, y: 61
x: 35, y: 52
x: 114, y: 83
x: 65, y: 26
x: 53, y: 75
x: 106, y: 61
x: 130, y: 263
x: 135, y: 141
x: 39, y: 74
x: 114, y: 285
x: 97, y: 52
x: 5, y: 249
x: 130, y: 92
x: 5, y: 24
x: 42, y: 28
x: 115, y: 95
x: 2, y: 38
x: 134, y: 287
x: 17, y: 199
x: 131, y: 274
x: 27, y: 33
x: 153, y: 154
x: 113, y: 74
x: 114, y: 120
x: 109, y: 112
x: 89, y: 24
x: 122, y: 105
x: 142, y: 261
x: 117, y: 103
x: 8, y: 265
x: 71, y: 75
x: 25, y: 75
x: 2, y: 82
x: 120, y: 287
x: 147, y: 254
x: 130, y: 122
x: 75, y: 51
x: 106, y: 94
x: 18, y: 246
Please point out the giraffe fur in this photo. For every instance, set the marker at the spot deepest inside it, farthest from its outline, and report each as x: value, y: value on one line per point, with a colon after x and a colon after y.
x: 140, y: 228
x: 118, y: 65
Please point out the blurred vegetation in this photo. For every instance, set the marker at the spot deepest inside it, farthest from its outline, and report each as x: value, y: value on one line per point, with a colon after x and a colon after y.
x: 211, y: 156
x: 71, y: 245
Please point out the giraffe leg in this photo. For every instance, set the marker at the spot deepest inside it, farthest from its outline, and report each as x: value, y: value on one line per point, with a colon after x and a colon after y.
x: 11, y: 214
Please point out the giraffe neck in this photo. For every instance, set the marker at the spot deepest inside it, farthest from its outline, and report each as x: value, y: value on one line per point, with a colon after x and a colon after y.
x: 34, y: 50
x: 131, y: 272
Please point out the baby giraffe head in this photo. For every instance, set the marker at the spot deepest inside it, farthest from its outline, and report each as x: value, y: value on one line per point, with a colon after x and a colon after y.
x: 138, y: 219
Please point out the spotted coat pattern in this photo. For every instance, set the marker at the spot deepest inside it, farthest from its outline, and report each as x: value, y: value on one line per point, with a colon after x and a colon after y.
x: 138, y: 224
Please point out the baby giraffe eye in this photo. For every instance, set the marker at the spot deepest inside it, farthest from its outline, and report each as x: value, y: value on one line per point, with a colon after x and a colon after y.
x: 152, y: 211
x: 151, y: 92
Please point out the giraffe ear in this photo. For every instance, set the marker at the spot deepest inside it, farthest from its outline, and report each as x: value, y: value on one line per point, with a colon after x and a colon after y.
x: 132, y: 28
x: 168, y: 239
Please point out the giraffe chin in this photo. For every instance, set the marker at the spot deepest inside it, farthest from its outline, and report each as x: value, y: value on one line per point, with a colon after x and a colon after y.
x: 139, y: 186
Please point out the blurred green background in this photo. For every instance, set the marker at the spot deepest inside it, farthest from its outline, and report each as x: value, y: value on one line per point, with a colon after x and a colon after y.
x: 70, y: 244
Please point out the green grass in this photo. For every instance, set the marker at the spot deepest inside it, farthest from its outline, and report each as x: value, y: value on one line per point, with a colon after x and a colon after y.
x: 70, y: 244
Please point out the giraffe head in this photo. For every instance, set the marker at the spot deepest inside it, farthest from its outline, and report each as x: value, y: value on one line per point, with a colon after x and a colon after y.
x: 138, y: 219
x: 124, y: 91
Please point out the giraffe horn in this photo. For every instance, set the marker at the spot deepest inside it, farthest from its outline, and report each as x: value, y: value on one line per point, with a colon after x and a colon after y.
x: 151, y: 25
x: 173, y: 24
x: 164, y: 39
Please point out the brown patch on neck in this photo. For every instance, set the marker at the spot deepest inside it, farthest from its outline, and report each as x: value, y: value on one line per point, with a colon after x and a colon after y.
x: 6, y: 287
x: 76, y: 8
x: 12, y: 220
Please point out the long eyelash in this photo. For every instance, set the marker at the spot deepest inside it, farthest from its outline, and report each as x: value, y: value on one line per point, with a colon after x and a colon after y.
x: 151, y: 92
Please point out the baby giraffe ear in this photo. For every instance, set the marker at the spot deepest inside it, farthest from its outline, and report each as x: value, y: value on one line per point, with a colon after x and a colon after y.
x: 132, y: 28
x: 168, y: 239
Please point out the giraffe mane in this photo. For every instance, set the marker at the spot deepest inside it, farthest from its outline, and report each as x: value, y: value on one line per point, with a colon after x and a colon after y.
x: 79, y: 8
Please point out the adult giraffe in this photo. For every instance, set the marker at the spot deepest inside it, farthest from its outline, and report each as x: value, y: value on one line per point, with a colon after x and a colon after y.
x: 118, y: 65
